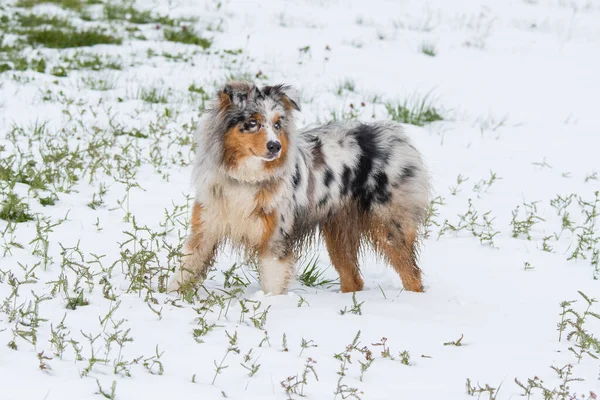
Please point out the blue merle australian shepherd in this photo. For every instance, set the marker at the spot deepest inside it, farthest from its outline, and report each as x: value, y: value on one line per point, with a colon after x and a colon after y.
x: 266, y: 188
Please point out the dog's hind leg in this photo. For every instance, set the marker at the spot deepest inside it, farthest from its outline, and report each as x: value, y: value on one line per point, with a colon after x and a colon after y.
x: 342, y: 238
x: 396, y: 240
x: 200, y: 251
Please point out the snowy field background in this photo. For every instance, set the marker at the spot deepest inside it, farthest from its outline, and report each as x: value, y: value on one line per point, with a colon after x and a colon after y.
x: 95, y: 152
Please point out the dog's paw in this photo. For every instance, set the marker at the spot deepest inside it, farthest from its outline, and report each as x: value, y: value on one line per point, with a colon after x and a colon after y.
x: 174, y: 285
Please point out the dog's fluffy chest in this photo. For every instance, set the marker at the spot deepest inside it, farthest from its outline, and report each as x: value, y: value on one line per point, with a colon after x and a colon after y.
x: 234, y: 211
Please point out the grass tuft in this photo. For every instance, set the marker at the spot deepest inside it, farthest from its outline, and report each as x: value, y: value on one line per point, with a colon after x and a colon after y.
x: 37, y: 20
x: 312, y: 275
x: 96, y: 62
x: 126, y: 12
x: 420, y: 113
x: 428, y: 49
x: 59, y: 39
x: 153, y: 95
x: 107, y: 82
x: 76, y: 5
x: 74, y: 302
x: 186, y: 35
x: 347, y: 85
x: 15, y: 209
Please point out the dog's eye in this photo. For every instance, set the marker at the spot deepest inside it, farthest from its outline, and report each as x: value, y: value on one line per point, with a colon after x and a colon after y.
x: 277, y: 126
x: 252, y: 123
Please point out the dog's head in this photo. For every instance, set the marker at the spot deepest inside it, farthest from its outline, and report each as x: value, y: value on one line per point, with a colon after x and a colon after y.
x: 256, y: 127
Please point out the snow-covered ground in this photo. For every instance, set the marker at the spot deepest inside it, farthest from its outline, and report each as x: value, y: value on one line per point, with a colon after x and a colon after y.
x: 513, y: 231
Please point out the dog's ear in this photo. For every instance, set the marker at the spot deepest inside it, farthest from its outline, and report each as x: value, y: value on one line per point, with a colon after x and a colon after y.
x: 237, y: 94
x: 284, y: 94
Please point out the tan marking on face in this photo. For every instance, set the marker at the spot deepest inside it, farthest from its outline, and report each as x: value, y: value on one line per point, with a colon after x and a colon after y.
x: 239, y: 145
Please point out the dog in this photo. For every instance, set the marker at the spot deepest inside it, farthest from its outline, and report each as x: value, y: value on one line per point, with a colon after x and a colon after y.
x: 268, y: 190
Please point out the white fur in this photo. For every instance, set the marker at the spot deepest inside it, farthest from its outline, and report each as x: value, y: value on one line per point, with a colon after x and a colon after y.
x: 275, y: 274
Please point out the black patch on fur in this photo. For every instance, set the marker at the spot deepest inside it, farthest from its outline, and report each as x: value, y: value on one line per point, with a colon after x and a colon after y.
x: 328, y: 177
x: 268, y: 90
x: 241, y: 97
x: 236, y: 118
x: 381, y: 191
x: 323, y: 201
x: 345, y: 178
x: 297, y: 177
x: 317, y: 152
x: 366, y: 138
x: 282, y: 218
x: 277, y: 92
x: 284, y: 248
x: 385, y: 157
x: 407, y: 173
x: 247, y: 127
x: 228, y: 90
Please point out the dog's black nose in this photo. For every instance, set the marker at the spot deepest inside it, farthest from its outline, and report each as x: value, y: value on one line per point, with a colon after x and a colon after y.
x: 273, y: 147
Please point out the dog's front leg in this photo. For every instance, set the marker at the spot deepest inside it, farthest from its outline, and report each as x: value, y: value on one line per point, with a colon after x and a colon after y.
x: 194, y: 266
x: 200, y: 249
x: 275, y: 272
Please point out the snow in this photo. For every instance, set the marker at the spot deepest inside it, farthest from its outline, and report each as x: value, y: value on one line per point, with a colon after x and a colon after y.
x: 517, y: 81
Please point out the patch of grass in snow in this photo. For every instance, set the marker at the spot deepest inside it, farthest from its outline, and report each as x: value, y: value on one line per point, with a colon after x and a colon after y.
x: 199, y: 92
x: 186, y: 35
x: 582, y: 342
x: 76, y: 5
x: 48, y: 201
x: 125, y: 11
x: 96, y: 62
x: 61, y: 39
x: 27, y: 172
x: 58, y: 71
x: 312, y: 276
x: 78, y: 301
x: 39, y: 20
x: 418, y: 112
x: 428, y: 49
x: 15, y: 209
x: 561, y: 391
x: 110, y: 395
x: 17, y: 62
x: 348, y: 113
x: 153, y: 95
x: 106, y: 82
x: 478, y: 390
x: 347, y: 85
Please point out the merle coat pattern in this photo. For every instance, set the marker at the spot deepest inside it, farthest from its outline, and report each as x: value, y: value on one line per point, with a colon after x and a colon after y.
x: 268, y: 189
